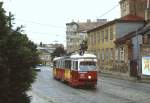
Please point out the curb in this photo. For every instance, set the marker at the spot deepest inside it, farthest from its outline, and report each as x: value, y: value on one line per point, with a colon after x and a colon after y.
x: 124, y: 77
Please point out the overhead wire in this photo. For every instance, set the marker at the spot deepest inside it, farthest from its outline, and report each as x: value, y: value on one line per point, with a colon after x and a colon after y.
x: 42, y: 24
x: 109, y: 11
x: 54, y: 26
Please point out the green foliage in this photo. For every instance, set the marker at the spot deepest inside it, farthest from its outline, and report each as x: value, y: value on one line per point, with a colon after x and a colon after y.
x: 18, y: 55
x: 59, y: 51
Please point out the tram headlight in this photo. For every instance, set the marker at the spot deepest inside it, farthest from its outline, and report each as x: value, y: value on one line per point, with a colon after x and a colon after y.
x: 89, y: 77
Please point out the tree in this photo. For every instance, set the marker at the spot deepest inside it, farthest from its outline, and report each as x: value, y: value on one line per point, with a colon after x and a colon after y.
x: 59, y: 51
x: 18, y: 57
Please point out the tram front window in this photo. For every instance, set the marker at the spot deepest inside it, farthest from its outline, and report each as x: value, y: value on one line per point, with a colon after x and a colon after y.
x: 87, y: 66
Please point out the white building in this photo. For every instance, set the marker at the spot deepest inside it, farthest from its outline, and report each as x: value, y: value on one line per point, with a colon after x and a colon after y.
x: 76, y: 32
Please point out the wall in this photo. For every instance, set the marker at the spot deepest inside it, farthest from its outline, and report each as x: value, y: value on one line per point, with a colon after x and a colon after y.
x: 136, y: 47
x: 125, y: 28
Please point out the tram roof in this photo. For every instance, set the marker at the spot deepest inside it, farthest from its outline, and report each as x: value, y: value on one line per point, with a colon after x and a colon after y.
x: 83, y: 56
x: 57, y: 58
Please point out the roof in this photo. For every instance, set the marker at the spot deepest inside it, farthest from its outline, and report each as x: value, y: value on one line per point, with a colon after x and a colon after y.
x: 128, y: 36
x: 113, y: 22
x: 132, y: 17
x: 83, y: 56
x: 57, y: 58
x: 145, y: 29
x: 84, y: 27
x: 125, y: 37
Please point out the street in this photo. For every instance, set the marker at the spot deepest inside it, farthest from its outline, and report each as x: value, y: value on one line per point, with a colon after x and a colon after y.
x: 109, y: 90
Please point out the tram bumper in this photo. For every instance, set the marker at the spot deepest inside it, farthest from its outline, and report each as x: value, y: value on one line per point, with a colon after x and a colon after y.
x: 87, y: 81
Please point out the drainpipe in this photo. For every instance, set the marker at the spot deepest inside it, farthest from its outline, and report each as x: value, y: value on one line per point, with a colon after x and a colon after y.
x: 139, y: 71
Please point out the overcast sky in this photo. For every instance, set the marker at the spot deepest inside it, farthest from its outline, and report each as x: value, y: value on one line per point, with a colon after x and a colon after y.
x: 45, y: 20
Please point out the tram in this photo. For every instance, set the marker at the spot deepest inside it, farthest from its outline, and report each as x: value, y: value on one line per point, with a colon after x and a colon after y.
x: 77, y: 70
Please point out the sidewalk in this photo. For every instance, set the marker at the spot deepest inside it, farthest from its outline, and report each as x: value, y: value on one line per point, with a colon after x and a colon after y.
x: 35, y: 98
x: 124, y: 76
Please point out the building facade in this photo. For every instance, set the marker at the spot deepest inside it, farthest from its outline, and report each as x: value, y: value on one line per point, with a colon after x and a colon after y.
x: 133, y: 8
x: 76, y: 32
x: 101, y: 42
x: 136, y: 43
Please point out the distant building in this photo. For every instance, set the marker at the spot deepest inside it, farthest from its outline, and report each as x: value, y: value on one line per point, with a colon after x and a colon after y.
x: 76, y: 32
x: 45, y: 52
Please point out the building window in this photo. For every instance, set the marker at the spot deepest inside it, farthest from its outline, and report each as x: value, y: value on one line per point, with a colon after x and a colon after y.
x: 121, y: 53
x: 92, y: 39
x: 149, y: 39
x: 106, y: 34
x: 103, y: 55
x: 116, y: 54
x: 111, y: 53
x: 95, y: 38
x: 107, y: 55
x: 98, y: 37
x: 102, y: 33
x: 98, y: 55
x: 111, y: 33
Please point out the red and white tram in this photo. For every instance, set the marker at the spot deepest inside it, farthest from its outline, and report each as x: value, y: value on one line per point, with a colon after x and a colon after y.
x: 77, y: 70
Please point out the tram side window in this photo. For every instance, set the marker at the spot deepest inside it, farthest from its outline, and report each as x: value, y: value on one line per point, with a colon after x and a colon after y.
x: 54, y: 64
x: 57, y: 64
x: 60, y: 65
x: 67, y: 64
x: 76, y: 65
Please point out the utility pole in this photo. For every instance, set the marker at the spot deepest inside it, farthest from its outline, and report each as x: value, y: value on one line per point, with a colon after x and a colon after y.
x: 138, y: 56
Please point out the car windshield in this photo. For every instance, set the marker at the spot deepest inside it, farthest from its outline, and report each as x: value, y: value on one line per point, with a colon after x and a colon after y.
x: 87, y: 66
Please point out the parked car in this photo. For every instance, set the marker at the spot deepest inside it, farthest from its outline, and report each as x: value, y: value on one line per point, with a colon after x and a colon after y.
x: 37, y: 68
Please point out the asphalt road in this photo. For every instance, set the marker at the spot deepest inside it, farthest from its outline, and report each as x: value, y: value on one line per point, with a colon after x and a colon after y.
x: 109, y: 90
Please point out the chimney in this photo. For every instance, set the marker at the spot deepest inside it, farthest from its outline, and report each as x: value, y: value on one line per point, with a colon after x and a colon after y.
x: 101, y: 20
x: 147, y: 11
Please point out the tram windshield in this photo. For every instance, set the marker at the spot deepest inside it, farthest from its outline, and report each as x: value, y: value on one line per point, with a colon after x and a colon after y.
x: 87, y: 66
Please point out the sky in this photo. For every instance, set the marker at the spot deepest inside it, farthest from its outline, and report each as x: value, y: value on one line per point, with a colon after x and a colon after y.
x: 45, y: 20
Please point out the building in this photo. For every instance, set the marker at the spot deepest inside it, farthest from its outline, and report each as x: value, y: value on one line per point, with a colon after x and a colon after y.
x: 136, y: 44
x: 45, y: 52
x: 76, y: 32
x: 133, y: 9
x: 101, y: 42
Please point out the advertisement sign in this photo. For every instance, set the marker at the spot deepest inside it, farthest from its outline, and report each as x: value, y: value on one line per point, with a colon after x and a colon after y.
x: 146, y: 65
